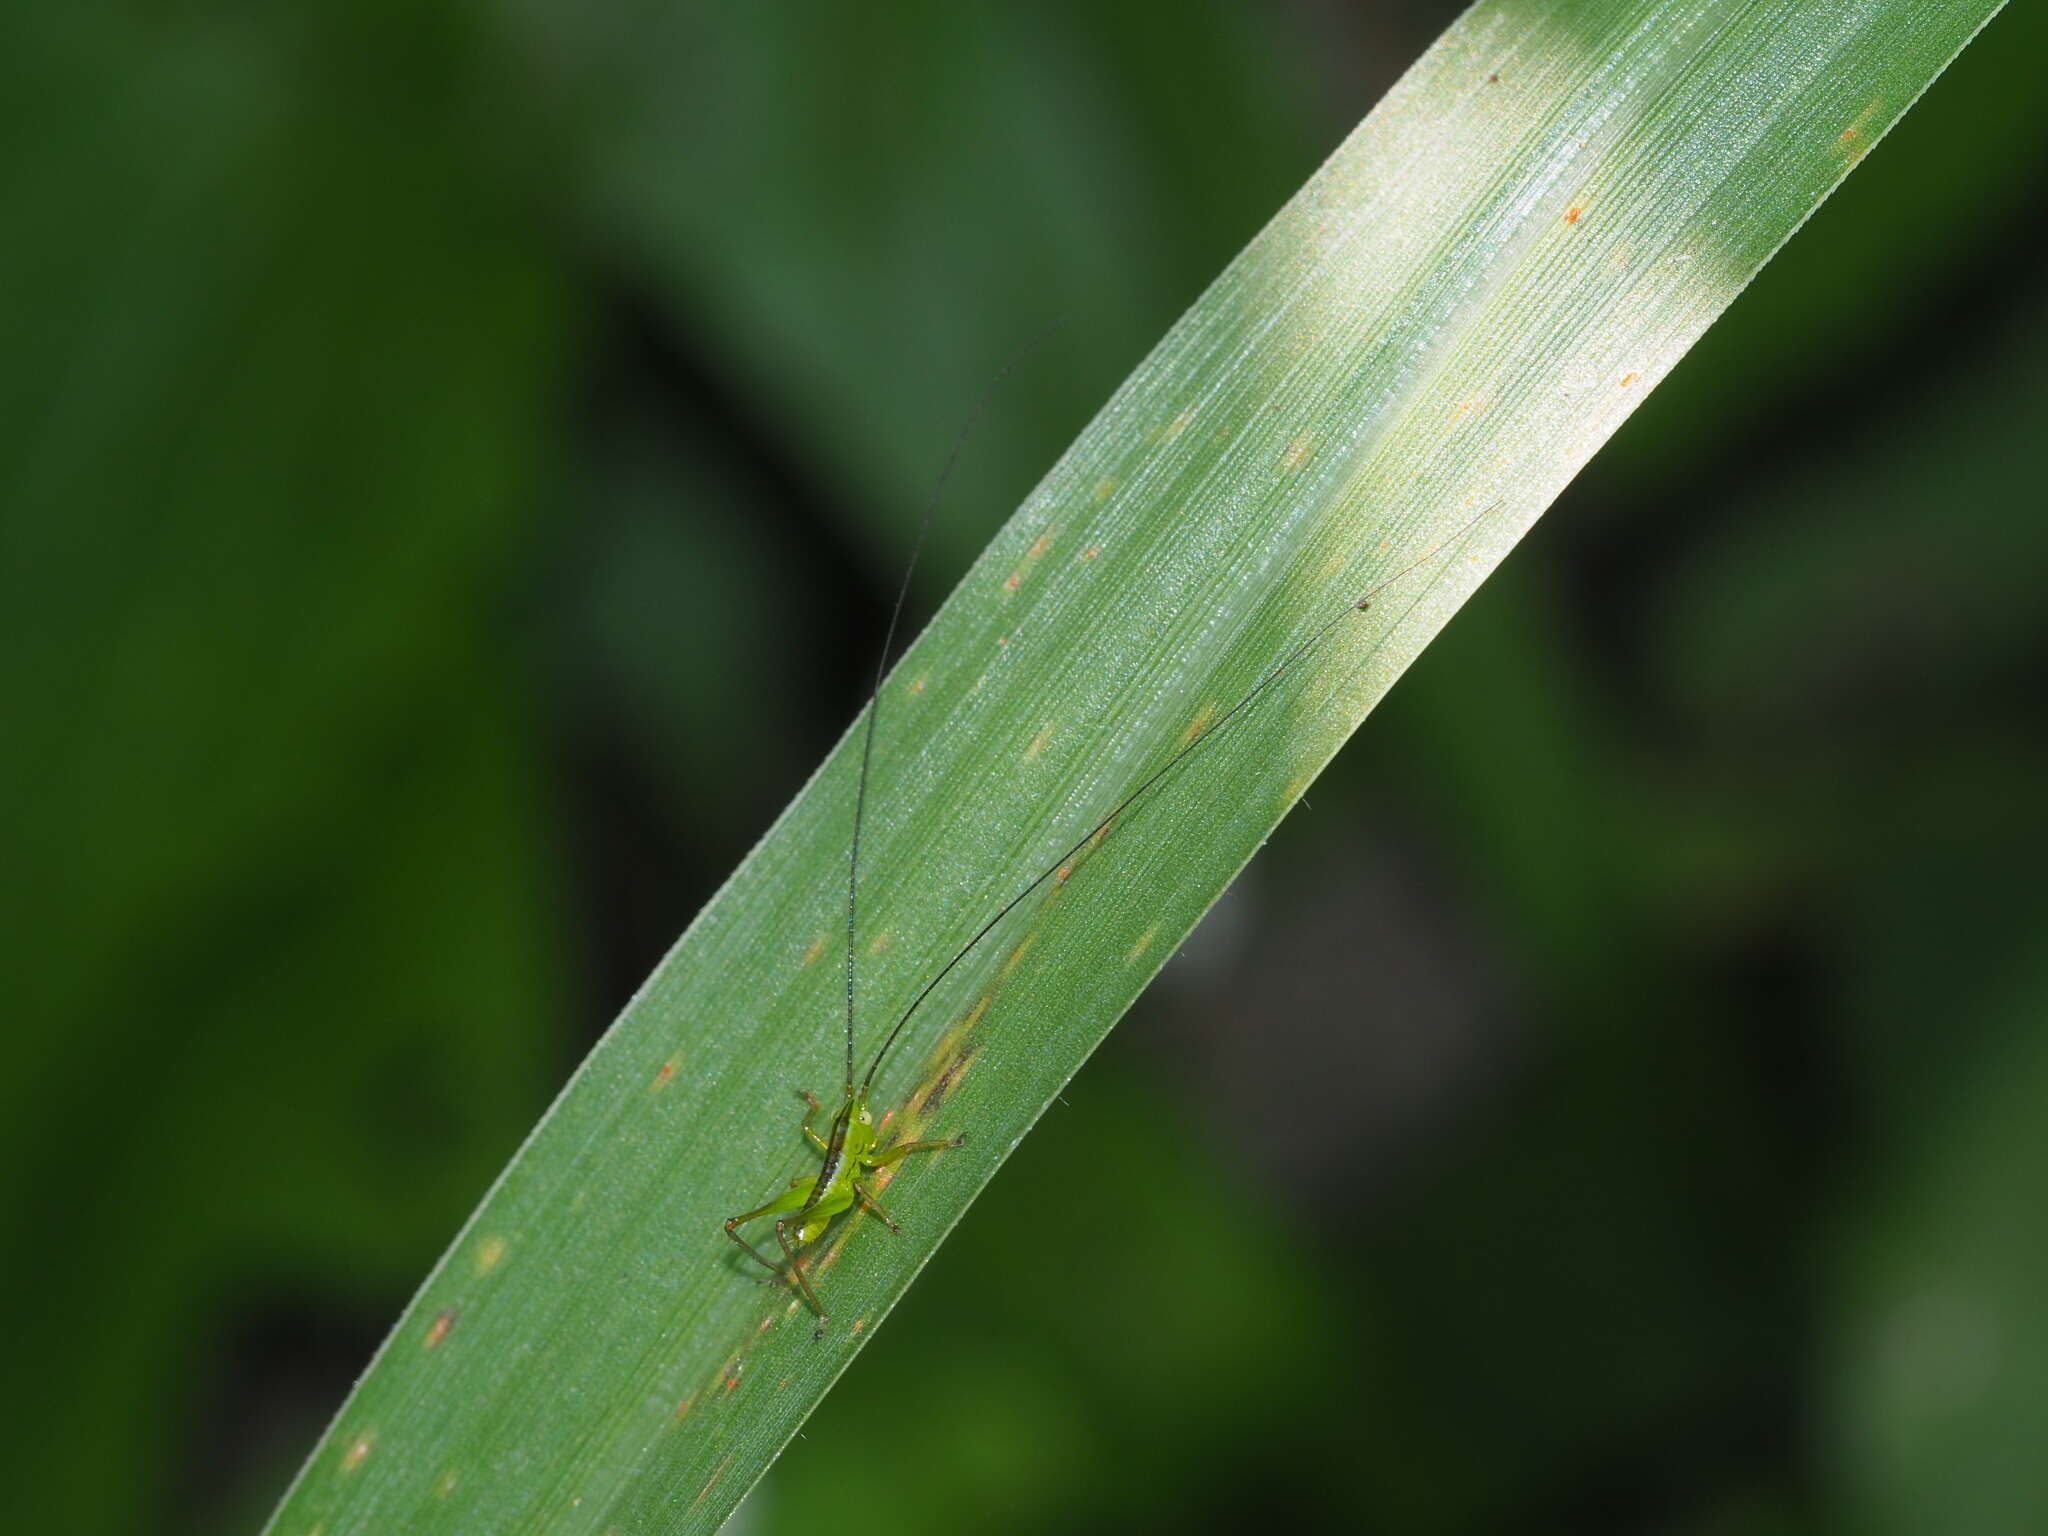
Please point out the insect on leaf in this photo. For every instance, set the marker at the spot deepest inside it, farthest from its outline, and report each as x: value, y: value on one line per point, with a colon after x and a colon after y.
x: 1452, y: 316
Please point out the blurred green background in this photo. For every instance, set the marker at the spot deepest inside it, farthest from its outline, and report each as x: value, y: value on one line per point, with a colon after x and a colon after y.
x: 453, y: 461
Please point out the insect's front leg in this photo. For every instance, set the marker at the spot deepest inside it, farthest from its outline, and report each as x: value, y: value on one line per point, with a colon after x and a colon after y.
x: 897, y: 1153
x: 809, y: 1114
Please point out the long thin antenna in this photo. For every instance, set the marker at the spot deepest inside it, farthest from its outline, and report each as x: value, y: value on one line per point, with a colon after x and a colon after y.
x: 1207, y: 736
x: 867, y: 744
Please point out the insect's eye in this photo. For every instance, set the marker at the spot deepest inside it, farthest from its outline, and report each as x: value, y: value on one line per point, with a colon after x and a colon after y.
x: 866, y: 1118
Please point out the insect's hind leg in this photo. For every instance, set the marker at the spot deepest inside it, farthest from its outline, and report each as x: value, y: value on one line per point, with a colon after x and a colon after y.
x: 795, y: 1271
x: 790, y: 1200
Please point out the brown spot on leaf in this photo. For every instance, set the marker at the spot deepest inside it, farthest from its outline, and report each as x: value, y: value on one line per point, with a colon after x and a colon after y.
x: 1016, y: 956
x: 712, y: 1481
x: 947, y: 1080
x: 439, y: 1328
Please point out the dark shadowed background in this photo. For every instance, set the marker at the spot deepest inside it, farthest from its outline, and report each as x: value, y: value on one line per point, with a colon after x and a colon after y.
x: 454, y: 456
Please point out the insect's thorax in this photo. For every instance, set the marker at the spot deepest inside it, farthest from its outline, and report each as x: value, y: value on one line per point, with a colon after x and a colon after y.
x: 853, y: 1138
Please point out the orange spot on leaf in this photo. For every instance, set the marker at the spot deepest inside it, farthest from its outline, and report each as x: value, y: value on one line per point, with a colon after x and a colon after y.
x: 1571, y: 215
x: 439, y: 1328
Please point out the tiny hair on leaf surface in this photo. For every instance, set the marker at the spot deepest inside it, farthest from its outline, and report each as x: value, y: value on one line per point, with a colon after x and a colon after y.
x: 1397, y: 376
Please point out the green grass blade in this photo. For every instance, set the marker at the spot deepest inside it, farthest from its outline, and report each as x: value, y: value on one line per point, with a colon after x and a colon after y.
x: 1454, y: 314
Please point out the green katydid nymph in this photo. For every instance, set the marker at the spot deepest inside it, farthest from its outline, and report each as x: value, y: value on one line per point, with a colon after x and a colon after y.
x: 852, y: 1148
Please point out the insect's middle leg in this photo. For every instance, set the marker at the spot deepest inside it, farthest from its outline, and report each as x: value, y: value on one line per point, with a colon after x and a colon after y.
x: 867, y: 1198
